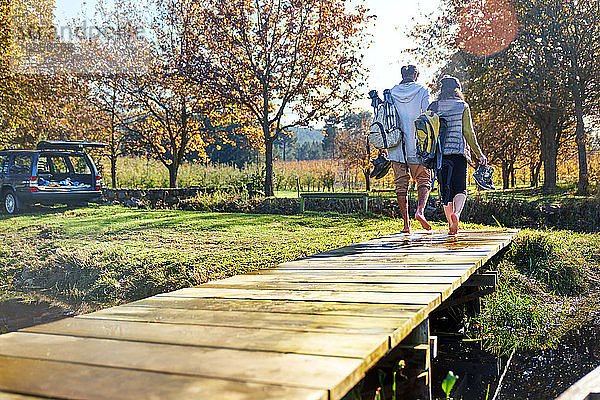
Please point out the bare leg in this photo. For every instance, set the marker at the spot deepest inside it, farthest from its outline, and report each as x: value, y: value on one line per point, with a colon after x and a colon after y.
x: 403, y: 203
x: 423, y: 195
x: 448, y: 210
x: 458, y: 205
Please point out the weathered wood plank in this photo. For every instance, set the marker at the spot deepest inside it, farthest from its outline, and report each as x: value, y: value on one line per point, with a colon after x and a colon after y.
x: 587, y: 388
x: 322, y: 295
x: 418, y: 273
x: 384, y: 252
x: 77, y: 381
x: 284, y: 306
x: 425, y: 287
x: 14, y: 396
x: 388, y: 263
x: 336, y: 278
x: 244, y: 319
x: 311, y: 372
x: 276, y: 340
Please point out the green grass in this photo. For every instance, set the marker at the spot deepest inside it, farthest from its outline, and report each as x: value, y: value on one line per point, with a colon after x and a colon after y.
x: 549, y: 284
x: 104, y: 255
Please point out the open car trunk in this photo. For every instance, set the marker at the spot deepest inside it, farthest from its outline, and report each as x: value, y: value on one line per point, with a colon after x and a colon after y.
x: 64, y: 172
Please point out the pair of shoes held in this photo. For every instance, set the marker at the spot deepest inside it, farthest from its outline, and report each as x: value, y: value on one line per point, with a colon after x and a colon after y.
x: 483, y: 177
x: 381, y: 166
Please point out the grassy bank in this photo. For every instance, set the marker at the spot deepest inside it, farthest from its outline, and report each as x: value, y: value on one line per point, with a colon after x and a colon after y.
x: 549, y: 284
x: 104, y: 255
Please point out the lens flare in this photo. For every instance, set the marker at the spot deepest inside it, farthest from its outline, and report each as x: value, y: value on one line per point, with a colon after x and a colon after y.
x: 487, y: 27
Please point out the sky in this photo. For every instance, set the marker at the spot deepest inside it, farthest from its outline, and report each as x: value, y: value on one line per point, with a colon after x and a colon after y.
x: 389, y: 37
x: 385, y: 57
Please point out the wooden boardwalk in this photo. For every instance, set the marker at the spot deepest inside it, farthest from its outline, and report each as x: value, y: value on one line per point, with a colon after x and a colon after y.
x: 587, y: 388
x: 307, y: 329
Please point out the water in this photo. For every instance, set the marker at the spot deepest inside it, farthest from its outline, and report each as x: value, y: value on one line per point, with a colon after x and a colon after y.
x: 532, y: 375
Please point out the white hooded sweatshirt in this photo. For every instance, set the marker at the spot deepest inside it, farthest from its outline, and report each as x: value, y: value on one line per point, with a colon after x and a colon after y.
x: 412, y: 99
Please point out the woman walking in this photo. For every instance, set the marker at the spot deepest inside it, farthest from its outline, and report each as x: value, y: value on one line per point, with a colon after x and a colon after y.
x: 460, y: 141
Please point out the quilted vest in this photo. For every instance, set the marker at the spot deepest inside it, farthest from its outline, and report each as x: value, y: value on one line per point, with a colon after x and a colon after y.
x: 452, y: 110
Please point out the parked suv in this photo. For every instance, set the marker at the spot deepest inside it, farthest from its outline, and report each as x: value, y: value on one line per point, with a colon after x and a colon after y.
x: 57, y: 172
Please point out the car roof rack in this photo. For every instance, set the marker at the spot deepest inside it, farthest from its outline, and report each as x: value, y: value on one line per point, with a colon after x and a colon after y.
x: 73, y: 145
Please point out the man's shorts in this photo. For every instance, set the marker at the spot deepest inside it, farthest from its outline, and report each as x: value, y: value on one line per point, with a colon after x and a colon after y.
x: 419, y: 173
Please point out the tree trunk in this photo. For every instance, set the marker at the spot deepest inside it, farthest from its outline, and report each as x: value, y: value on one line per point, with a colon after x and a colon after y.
x: 549, y: 153
x: 366, y: 172
x: 173, y: 169
x: 534, y: 170
x: 113, y: 144
x: 512, y: 175
x: 581, y: 139
x: 269, y: 168
x: 284, y: 146
x: 113, y: 170
x: 505, y: 175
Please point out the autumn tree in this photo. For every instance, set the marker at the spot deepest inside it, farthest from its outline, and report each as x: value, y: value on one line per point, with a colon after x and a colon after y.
x: 351, y: 144
x: 285, y: 62
x: 170, y: 111
x: 40, y: 99
x: 513, y: 63
x: 329, y: 136
x: 574, y: 26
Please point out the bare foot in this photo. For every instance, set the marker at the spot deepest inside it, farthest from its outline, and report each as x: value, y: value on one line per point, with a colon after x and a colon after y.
x: 406, y: 229
x: 453, y: 230
x: 421, y: 218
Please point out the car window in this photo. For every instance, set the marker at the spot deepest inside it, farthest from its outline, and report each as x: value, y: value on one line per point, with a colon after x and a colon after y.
x: 42, y: 167
x: 60, y: 165
x: 80, y: 165
x: 21, y: 164
x: 4, y: 164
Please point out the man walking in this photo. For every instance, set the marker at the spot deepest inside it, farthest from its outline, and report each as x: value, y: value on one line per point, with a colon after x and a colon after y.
x: 412, y: 99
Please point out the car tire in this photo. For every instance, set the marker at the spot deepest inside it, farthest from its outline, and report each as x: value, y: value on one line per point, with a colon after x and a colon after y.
x: 10, y: 202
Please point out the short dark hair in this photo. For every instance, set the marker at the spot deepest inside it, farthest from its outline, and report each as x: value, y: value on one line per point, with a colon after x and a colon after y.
x: 409, y: 71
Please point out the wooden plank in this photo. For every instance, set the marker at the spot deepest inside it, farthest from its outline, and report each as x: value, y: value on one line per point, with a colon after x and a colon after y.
x: 321, y: 295
x: 244, y: 319
x: 15, y: 396
x: 86, y: 382
x: 387, y: 263
x: 349, y: 275
x: 587, y: 388
x: 276, y: 340
x: 486, y: 279
x: 425, y: 287
x: 312, y: 372
x: 380, y: 251
x: 284, y: 306
x: 385, y: 247
x: 335, y: 278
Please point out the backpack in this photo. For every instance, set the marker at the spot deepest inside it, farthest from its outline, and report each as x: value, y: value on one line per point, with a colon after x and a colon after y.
x: 386, y: 129
x: 430, y: 130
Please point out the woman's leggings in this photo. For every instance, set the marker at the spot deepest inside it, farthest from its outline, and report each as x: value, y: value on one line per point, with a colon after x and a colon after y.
x: 453, y: 177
